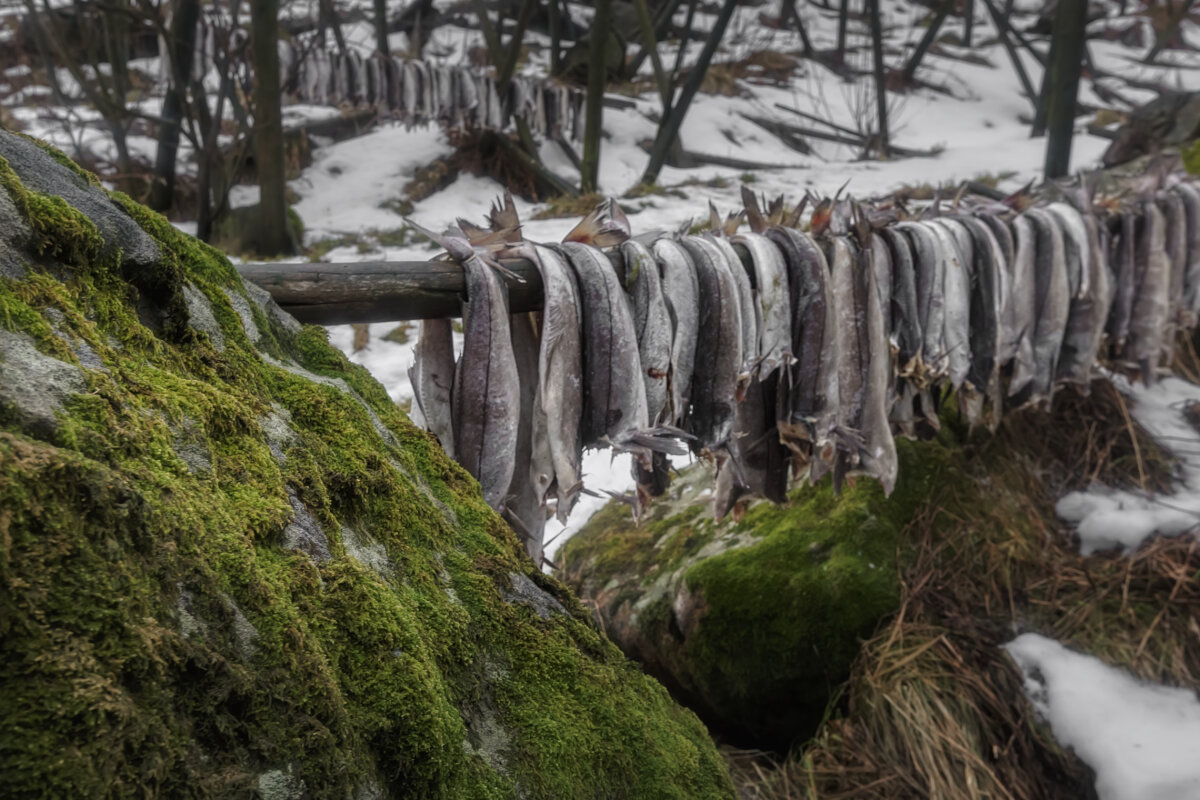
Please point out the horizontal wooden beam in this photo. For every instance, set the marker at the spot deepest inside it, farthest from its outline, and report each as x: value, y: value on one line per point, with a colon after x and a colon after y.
x: 381, y: 291
x: 393, y: 291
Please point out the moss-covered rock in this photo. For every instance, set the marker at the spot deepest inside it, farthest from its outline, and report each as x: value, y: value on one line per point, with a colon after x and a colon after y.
x: 230, y: 567
x: 752, y: 623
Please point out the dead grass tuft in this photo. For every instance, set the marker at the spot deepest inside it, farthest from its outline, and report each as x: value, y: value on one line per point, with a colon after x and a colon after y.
x: 932, y: 708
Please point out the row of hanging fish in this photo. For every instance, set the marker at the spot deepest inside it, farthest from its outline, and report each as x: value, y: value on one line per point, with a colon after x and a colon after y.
x: 781, y: 354
x: 417, y: 92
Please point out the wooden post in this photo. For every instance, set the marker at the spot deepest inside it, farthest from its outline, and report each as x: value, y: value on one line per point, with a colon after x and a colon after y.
x: 914, y: 61
x: 274, y: 236
x: 1066, y: 61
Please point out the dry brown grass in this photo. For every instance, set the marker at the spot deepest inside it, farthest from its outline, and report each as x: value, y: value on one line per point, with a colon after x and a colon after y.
x: 932, y: 709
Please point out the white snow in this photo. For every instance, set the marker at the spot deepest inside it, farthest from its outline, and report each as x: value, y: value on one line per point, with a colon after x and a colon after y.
x: 1142, y: 740
x: 1107, y: 518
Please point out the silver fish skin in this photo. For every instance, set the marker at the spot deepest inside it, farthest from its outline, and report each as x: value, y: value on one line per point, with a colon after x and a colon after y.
x: 1191, y: 282
x: 715, y: 379
x: 985, y: 314
x: 905, y: 331
x: 878, y: 455
x: 557, y: 451
x: 1023, y: 303
x: 1053, y: 303
x: 807, y: 411
x: 487, y: 402
x: 931, y: 312
x: 614, y: 397
x: 1151, y: 304
x: 1010, y: 332
x: 523, y: 504
x: 956, y: 289
x: 1175, y: 215
x: 681, y: 288
x: 852, y: 349
x: 652, y: 326
x: 1080, y: 340
x: 432, y: 378
x: 747, y: 308
x: 1124, y: 260
x: 881, y: 262
x: 774, y: 345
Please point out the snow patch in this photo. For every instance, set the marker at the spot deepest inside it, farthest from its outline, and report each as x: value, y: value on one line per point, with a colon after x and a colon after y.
x: 1140, y: 739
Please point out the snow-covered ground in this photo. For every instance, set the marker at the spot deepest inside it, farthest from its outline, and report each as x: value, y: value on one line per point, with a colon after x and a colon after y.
x: 1117, y: 518
x: 1142, y: 741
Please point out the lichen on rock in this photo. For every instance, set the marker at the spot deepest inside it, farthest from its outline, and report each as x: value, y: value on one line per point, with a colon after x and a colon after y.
x: 161, y: 634
x: 753, y: 623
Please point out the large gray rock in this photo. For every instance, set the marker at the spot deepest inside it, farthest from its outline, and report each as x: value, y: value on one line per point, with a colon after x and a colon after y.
x: 40, y: 171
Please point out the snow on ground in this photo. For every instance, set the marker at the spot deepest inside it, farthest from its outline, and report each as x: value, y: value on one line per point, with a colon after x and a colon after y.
x: 1106, y: 518
x: 1140, y: 739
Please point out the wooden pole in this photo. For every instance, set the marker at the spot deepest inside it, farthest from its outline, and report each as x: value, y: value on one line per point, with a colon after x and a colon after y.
x: 910, y: 69
x: 392, y: 291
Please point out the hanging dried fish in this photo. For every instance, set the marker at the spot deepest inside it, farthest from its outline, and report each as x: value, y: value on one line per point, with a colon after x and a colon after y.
x: 432, y: 378
x: 807, y: 412
x: 715, y: 376
x: 652, y: 326
x: 774, y: 347
x: 1089, y: 307
x: 1191, y: 299
x: 1151, y: 303
x: 1052, y: 305
x: 681, y: 289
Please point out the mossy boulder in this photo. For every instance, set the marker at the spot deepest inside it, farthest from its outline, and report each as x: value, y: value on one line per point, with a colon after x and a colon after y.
x: 230, y: 567
x: 752, y: 623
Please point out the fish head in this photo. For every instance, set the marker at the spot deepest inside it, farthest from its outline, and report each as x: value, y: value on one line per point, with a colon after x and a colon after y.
x: 604, y: 226
x: 822, y: 217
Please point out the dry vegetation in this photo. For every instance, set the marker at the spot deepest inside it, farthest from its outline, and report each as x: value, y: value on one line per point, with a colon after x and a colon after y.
x: 932, y: 708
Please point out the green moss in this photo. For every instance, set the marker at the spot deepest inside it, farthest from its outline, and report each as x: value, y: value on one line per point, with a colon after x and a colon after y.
x: 755, y: 623
x: 1191, y: 157
x: 60, y: 232
x: 158, y: 636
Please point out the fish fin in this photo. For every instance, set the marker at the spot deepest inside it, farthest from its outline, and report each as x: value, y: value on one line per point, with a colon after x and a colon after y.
x: 753, y: 212
x: 503, y: 217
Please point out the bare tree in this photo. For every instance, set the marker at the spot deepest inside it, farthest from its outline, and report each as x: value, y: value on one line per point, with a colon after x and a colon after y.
x: 1062, y: 82
x: 181, y: 44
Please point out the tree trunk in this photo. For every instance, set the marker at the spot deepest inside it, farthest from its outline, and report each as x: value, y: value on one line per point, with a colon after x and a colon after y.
x: 181, y: 43
x: 274, y: 236
x: 597, y: 80
x: 1066, y: 60
x: 843, y: 16
x: 881, y: 109
x: 381, y: 27
x: 669, y: 130
x: 914, y: 61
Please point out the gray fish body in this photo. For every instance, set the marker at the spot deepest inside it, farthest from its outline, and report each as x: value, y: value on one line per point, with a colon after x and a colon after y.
x: 558, y: 405
x: 985, y: 311
x: 614, y: 396
x: 715, y: 378
x: 652, y: 326
x: 681, y: 289
x: 881, y: 262
x: 774, y: 345
x: 1151, y: 303
x: 432, y: 377
x: 1175, y: 214
x: 808, y: 403
x: 878, y: 453
x: 1191, y: 295
x: 956, y: 289
x: 1010, y: 331
x: 523, y: 505
x: 1023, y: 303
x: 905, y: 332
x: 931, y: 313
x: 487, y: 400
x: 1124, y: 257
x: 747, y: 308
x: 850, y: 330
x: 758, y: 464
x: 1053, y: 302
x: 1089, y: 300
